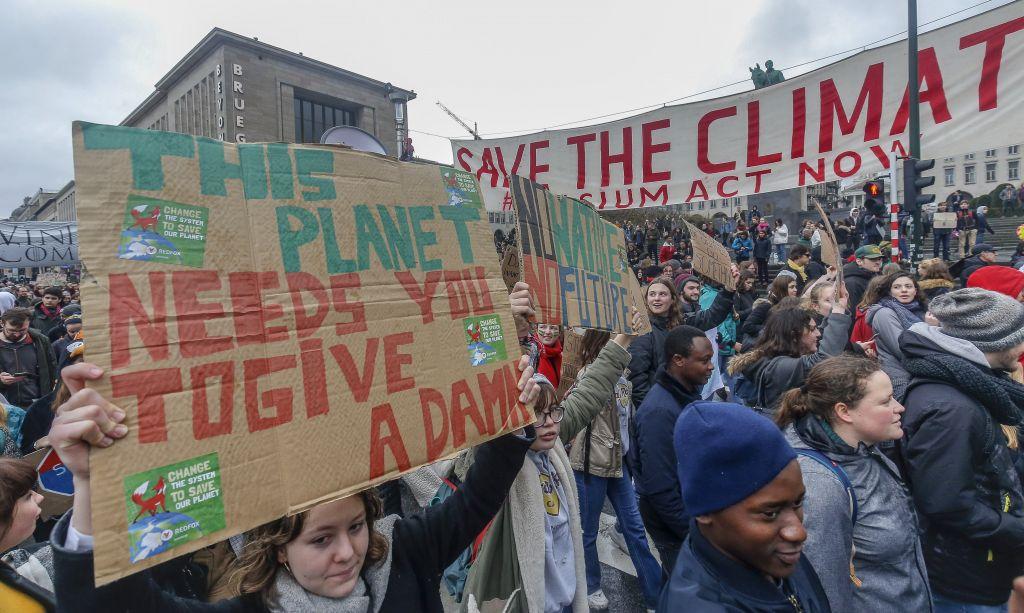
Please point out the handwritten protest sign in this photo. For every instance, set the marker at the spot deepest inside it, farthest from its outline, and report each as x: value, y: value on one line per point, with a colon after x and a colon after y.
x: 830, y: 253
x: 575, y: 262
x: 283, y: 325
x: 572, y: 348
x: 710, y: 257
x: 945, y: 220
x: 511, y: 267
x: 50, y: 279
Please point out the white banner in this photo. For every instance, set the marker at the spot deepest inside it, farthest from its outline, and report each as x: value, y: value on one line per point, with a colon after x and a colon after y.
x: 835, y: 122
x: 35, y: 244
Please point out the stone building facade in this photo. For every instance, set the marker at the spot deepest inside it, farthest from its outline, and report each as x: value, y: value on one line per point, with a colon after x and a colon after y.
x: 239, y: 89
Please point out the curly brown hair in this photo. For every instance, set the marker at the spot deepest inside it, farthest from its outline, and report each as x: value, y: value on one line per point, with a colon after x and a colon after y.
x: 257, y: 566
x: 840, y: 379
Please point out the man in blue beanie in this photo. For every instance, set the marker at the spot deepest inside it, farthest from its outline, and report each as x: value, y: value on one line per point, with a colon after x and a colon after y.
x: 742, y: 485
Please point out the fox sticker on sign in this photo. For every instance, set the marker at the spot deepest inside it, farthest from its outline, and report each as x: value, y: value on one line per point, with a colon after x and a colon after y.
x: 283, y: 325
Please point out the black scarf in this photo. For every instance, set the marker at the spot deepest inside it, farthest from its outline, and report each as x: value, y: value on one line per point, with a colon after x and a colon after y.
x: 907, y: 314
x: 1000, y: 395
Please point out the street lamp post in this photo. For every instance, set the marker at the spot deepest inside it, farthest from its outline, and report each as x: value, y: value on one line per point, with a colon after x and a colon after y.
x: 399, y: 99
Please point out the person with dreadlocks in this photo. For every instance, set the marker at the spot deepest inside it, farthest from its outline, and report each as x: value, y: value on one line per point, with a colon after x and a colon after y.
x: 956, y: 457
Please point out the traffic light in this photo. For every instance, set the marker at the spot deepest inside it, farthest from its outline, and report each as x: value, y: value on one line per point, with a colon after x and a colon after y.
x: 913, y: 182
x: 874, y: 197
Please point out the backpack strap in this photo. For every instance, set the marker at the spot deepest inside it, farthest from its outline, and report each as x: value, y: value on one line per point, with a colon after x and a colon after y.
x: 836, y: 470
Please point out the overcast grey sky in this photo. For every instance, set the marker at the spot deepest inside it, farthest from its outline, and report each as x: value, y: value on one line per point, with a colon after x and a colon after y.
x: 511, y: 67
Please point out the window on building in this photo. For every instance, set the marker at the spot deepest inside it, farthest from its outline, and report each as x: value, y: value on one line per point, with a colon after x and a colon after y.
x: 714, y: 204
x: 990, y: 153
x: 700, y: 206
x: 990, y: 172
x: 969, y: 156
x: 950, y: 175
x: 948, y: 160
x: 1013, y: 170
x: 969, y: 174
x: 1013, y: 149
x: 313, y: 118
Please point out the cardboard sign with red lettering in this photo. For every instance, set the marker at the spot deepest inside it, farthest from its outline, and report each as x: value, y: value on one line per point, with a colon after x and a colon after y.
x: 575, y: 262
x: 283, y: 324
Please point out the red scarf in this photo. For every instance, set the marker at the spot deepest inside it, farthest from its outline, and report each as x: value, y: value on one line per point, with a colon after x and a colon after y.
x: 550, y: 363
x: 48, y: 313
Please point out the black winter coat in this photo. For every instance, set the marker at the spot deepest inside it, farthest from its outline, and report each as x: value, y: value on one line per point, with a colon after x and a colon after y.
x: 647, y: 352
x: 422, y: 546
x: 742, y: 305
x: 43, y: 323
x: 707, y: 581
x: 967, y: 492
x: 856, y: 280
x: 971, y: 265
x: 763, y: 248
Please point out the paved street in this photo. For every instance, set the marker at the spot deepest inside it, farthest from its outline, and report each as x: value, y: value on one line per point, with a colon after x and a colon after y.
x: 618, y: 577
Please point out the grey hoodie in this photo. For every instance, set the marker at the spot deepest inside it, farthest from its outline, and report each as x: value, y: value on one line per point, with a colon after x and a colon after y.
x: 886, y: 550
x: 559, y: 559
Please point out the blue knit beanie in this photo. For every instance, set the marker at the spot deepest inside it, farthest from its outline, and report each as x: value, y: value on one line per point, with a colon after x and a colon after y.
x: 724, y: 453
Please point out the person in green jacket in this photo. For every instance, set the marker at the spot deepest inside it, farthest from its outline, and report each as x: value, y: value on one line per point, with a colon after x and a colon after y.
x: 532, y: 554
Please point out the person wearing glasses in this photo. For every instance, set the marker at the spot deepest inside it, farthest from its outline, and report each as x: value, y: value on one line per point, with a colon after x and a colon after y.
x: 532, y: 554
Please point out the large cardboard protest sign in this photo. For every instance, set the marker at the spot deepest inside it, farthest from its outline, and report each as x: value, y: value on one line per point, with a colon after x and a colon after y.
x: 283, y: 325
x: 38, y: 244
x: 574, y: 262
x: 710, y: 257
x: 838, y: 121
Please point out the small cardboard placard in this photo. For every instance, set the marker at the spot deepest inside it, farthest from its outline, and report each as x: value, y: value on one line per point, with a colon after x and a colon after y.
x: 575, y: 262
x: 830, y: 253
x: 283, y: 325
x: 944, y: 220
x: 572, y: 345
x: 511, y: 267
x: 711, y: 258
x: 50, y: 279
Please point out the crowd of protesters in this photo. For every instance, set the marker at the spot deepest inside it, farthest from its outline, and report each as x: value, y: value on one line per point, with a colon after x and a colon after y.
x: 813, y: 440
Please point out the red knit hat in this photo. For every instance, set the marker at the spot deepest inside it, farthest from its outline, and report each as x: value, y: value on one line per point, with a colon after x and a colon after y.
x: 1003, y: 279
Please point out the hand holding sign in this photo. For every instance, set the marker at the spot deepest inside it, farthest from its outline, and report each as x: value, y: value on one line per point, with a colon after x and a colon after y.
x: 85, y: 421
x: 522, y: 308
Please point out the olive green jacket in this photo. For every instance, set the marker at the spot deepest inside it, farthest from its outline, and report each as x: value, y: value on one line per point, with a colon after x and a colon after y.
x: 511, y: 556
